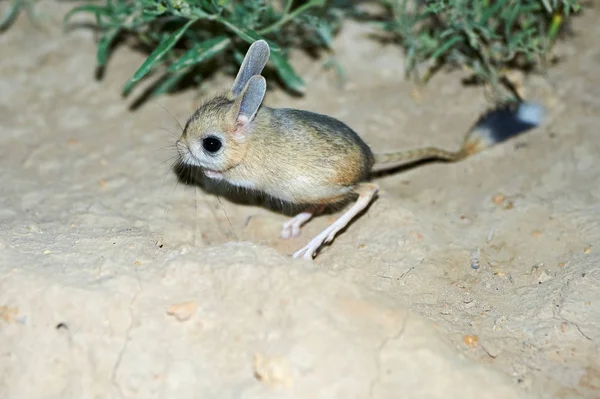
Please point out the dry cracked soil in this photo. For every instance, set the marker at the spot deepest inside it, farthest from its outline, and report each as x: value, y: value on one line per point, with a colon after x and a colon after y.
x: 478, y: 279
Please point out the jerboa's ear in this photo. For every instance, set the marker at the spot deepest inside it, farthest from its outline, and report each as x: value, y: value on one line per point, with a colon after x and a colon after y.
x: 249, y: 102
x: 255, y: 60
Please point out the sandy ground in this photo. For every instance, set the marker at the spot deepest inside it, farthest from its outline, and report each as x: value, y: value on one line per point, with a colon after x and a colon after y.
x: 115, y: 281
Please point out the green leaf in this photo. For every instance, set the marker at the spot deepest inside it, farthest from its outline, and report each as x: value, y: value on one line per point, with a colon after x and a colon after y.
x: 555, y: 26
x: 11, y: 16
x: 199, y: 13
x: 510, y: 15
x: 104, y: 46
x: 200, y: 52
x: 96, y: 10
x: 325, y: 33
x: 249, y: 35
x: 154, y: 9
x: 445, y: 47
x: 287, y: 73
x: 491, y: 11
x: 165, y: 45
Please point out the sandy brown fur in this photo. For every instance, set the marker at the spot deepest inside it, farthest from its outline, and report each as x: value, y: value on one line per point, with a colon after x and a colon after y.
x: 389, y: 160
x: 305, y: 157
x: 297, y: 156
x: 214, y: 109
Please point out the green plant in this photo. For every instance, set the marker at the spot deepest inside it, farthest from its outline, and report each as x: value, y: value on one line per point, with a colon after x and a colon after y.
x: 12, y: 12
x: 486, y: 36
x: 184, y: 35
x: 192, y: 37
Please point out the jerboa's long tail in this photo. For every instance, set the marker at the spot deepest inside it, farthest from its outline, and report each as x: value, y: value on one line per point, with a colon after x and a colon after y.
x: 495, y: 126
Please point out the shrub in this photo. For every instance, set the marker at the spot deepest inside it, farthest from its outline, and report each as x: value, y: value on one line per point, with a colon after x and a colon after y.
x: 184, y: 35
x: 193, y: 38
x: 488, y: 37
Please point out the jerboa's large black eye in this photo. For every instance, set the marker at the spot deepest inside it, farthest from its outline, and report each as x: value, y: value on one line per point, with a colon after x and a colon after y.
x: 212, y: 144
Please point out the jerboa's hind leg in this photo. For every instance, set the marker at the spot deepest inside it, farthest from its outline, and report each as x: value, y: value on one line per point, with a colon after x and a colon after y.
x: 366, y: 192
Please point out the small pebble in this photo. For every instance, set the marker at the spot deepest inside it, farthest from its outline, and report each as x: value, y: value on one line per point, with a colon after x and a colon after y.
x: 183, y: 311
x: 274, y: 371
x: 471, y: 340
x: 8, y: 314
x: 475, y: 259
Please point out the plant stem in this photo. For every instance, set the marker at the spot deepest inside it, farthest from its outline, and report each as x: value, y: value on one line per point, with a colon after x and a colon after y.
x: 287, y: 17
x: 288, y: 6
